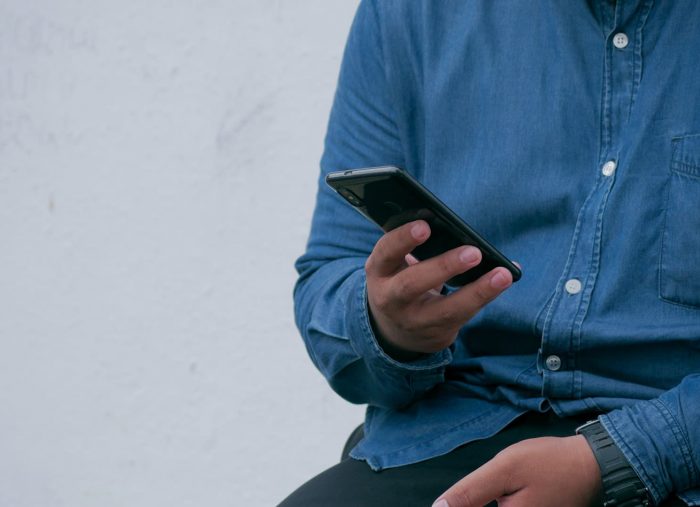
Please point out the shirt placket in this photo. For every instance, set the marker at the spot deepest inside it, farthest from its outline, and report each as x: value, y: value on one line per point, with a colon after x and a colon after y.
x: 562, y: 336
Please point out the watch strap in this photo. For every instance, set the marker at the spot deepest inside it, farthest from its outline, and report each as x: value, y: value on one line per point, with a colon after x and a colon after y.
x: 622, y: 487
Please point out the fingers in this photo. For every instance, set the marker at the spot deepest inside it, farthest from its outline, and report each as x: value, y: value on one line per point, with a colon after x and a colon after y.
x: 388, y: 255
x: 483, y: 485
x: 423, y: 276
x: 404, y: 296
x: 463, y: 304
x: 412, y: 261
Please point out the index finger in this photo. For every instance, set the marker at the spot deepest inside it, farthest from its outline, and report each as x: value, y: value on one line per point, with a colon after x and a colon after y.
x: 389, y: 254
x: 483, y: 485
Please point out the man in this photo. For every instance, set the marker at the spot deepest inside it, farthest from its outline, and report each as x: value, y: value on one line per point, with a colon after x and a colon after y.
x: 568, y: 133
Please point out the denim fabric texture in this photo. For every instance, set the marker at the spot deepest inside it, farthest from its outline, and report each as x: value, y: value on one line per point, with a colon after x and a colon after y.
x: 509, y: 111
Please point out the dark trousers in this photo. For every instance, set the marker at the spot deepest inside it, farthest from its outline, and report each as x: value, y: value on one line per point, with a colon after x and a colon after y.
x: 352, y: 483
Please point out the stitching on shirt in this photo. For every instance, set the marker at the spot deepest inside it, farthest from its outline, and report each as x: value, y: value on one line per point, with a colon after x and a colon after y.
x: 369, y: 335
x: 544, y: 308
x: 678, y: 163
x: 594, y: 269
x: 531, y: 367
x: 676, y: 146
x: 637, y: 61
x: 606, y: 96
x: 663, y: 240
x: 676, y: 303
x: 450, y: 431
x: 387, y: 71
x: 681, y: 439
x: 685, y: 169
x: 636, y: 463
x: 605, y: 142
x: 591, y: 404
x: 560, y: 283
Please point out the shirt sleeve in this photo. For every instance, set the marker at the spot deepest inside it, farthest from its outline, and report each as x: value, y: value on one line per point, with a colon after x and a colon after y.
x: 330, y: 295
x: 661, y: 439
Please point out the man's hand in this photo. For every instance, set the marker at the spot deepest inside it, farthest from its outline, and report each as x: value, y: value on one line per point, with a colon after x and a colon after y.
x: 540, y: 472
x: 404, y: 297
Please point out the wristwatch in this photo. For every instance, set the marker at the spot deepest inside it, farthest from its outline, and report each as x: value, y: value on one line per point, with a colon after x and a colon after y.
x: 622, y: 487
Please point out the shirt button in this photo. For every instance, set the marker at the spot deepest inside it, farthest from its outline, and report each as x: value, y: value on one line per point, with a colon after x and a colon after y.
x: 620, y: 40
x: 553, y: 363
x: 573, y: 286
x: 609, y: 168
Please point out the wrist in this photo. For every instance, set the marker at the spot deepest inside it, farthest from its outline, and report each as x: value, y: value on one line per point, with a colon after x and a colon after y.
x: 589, y: 469
x: 621, y: 486
x: 393, y: 351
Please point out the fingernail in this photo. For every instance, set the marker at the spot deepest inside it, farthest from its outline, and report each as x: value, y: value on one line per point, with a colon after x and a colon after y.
x: 441, y: 503
x: 500, y: 280
x: 469, y: 255
x: 418, y: 231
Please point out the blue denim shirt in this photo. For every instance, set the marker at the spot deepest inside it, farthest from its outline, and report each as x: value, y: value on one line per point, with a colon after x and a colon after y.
x: 576, y: 151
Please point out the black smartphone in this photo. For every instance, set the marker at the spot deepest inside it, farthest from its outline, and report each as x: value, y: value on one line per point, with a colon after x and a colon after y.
x: 391, y: 197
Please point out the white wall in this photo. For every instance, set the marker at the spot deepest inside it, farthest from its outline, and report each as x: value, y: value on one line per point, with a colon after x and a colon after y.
x: 158, y: 161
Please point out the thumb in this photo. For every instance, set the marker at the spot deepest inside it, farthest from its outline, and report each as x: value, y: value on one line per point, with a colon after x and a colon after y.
x: 483, y: 485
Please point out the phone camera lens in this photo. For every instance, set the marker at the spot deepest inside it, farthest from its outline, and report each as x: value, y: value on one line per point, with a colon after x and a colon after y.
x: 350, y: 196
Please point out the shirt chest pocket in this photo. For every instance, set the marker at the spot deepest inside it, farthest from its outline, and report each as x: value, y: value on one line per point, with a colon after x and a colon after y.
x: 679, y: 268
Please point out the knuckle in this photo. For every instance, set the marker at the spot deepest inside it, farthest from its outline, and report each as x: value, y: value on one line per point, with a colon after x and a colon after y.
x: 451, y: 312
x: 445, y: 265
x: 380, y: 300
x: 402, y: 288
x: 447, y: 314
x: 369, y: 264
x: 468, y: 500
x: 482, y: 294
x: 464, y: 498
x: 389, y: 246
x: 502, y: 455
x: 380, y: 248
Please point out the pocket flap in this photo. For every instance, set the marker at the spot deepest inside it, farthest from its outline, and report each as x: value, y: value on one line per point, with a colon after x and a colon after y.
x: 686, y: 155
